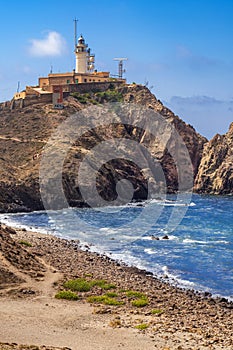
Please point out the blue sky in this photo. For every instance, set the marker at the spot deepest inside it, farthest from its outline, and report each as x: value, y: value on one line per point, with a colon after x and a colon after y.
x: 182, y: 48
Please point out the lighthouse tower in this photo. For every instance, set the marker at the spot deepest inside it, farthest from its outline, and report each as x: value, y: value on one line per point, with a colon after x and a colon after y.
x: 84, y: 59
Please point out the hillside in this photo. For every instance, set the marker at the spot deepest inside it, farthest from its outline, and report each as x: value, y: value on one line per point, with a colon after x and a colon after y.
x: 215, y: 174
x: 24, y: 132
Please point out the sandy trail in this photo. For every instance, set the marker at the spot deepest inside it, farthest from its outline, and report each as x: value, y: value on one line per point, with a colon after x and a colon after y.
x: 44, y: 320
x: 61, y: 323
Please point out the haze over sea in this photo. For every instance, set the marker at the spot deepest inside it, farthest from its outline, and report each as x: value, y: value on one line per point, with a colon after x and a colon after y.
x: 198, y: 254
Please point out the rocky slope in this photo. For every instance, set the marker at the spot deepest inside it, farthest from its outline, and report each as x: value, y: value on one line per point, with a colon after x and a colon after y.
x: 215, y: 174
x: 24, y: 133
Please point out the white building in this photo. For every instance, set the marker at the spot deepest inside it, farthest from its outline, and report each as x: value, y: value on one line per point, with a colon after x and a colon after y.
x: 84, y: 59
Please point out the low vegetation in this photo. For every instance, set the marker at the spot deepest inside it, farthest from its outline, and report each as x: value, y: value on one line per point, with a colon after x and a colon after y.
x: 135, y: 294
x: 109, y: 95
x: 139, y: 299
x: 25, y: 243
x: 156, y: 312
x: 112, y: 295
x: 142, y: 326
x: 83, y: 285
x: 78, y: 285
x: 84, y: 98
x: 67, y: 294
x: 140, y: 302
x: 104, y: 299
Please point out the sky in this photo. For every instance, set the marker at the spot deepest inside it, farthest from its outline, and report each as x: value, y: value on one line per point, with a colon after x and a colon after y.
x: 181, y: 49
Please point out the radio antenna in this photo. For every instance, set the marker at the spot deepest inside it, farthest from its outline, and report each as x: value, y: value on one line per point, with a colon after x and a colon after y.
x: 75, y: 32
x: 120, y: 66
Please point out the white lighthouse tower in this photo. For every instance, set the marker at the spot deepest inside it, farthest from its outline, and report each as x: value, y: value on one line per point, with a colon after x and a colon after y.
x: 84, y: 59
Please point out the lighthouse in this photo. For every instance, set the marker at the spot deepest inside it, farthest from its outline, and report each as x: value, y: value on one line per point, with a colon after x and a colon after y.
x: 84, y: 58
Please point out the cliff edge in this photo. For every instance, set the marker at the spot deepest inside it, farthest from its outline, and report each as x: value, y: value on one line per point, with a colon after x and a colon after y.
x: 24, y: 133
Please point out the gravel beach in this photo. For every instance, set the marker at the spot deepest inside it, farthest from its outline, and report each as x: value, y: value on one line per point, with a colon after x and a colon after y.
x: 143, y: 312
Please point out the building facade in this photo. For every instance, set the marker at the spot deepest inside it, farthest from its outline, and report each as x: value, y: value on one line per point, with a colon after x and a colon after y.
x: 83, y: 73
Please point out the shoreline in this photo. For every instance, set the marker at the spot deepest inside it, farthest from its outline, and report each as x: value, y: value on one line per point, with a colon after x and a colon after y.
x: 187, y: 319
x: 86, y: 246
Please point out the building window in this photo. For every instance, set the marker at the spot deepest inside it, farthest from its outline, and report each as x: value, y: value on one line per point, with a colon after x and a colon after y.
x: 76, y: 81
x: 85, y: 80
x: 67, y: 81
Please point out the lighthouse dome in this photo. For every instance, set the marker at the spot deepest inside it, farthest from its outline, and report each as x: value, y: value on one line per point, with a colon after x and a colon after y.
x: 81, y: 40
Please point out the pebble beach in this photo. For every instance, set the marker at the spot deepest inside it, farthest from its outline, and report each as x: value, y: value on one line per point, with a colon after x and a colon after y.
x: 170, y: 317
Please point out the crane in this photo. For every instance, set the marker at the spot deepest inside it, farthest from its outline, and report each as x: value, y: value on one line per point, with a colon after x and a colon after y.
x: 120, y: 66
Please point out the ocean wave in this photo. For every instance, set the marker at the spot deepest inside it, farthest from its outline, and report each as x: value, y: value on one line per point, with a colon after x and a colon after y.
x: 189, y: 240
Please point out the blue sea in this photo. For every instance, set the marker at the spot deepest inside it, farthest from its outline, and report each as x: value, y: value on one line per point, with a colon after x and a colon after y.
x: 198, y: 254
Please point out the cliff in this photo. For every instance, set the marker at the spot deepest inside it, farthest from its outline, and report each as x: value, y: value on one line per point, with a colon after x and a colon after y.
x: 215, y: 174
x: 25, y: 132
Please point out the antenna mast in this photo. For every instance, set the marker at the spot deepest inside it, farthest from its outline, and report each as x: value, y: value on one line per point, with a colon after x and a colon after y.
x: 120, y: 66
x: 75, y: 33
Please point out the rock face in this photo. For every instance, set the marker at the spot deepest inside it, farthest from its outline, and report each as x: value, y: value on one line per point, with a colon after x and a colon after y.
x: 25, y: 132
x: 215, y: 174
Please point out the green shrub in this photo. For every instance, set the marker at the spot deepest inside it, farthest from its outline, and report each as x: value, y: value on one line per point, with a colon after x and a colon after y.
x: 140, y: 302
x: 27, y: 244
x: 156, y: 312
x: 103, y: 284
x: 79, y: 285
x: 66, y: 294
x: 108, y: 286
x: 82, y: 285
x: 111, y: 294
x: 142, y: 326
x: 104, y: 299
x: 135, y: 294
x: 109, y: 95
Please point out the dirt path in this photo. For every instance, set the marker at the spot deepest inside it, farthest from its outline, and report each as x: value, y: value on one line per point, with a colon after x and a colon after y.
x: 61, y: 323
x: 41, y: 319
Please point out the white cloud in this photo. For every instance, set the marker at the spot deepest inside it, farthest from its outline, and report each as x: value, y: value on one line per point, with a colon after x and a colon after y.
x: 52, y: 45
x: 195, y: 100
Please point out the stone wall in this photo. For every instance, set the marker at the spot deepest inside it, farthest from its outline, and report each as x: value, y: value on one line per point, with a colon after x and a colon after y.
x: 67, y: 90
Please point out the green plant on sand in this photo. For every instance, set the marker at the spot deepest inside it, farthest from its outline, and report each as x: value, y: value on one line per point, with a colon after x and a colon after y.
x: 141, y: 299
x: 135, y: 294
x: 156, y: 312
x: 83, y: 285
x: 104, y: 299
x: 27, y: 244
x: 142, y: 326
x: 66, y: 294
x: 140, y: 302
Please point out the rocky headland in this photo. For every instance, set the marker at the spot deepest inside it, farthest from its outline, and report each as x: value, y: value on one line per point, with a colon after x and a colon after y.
x: 25, y: 131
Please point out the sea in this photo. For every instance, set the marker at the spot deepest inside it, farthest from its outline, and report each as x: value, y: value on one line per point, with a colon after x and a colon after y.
x: 188, y: 243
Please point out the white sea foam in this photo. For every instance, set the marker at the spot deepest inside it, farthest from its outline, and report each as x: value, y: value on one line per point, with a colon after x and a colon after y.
x: 189, y: 240
x: 149, y: 251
